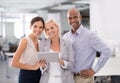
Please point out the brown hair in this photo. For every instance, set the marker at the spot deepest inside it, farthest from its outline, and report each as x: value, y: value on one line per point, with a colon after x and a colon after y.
x: 37, y: 18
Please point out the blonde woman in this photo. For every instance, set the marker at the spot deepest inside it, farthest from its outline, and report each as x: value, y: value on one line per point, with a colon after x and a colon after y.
x: 57, y: 72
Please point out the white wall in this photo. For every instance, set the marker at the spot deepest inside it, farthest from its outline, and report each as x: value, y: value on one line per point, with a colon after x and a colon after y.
x: 63, y: 21
x: 9, y: 32
x: 9, y: 29
x: 105, y: 18
x: 0, y: 29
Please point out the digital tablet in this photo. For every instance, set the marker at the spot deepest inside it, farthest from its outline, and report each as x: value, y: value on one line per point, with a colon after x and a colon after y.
x: 49, y: 56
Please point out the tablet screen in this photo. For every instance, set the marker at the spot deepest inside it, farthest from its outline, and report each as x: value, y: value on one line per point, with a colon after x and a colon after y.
x: 49, y: 56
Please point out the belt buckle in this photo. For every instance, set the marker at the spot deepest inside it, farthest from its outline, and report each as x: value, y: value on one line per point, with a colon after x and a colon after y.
x: 57, y: 76
x: 76, y: 74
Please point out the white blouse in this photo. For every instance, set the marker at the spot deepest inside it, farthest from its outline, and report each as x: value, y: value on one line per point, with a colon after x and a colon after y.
x: 29, y: 56
x: 55, y: 72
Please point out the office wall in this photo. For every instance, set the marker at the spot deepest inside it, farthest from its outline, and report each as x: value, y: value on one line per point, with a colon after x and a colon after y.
x: 0, y: 29
x: 63, y: 21
x: 9, y: 32
x: 105, y: 18
x: 9, y: 29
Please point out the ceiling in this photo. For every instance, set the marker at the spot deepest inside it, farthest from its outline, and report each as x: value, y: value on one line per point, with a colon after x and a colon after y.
x: 36, y: 5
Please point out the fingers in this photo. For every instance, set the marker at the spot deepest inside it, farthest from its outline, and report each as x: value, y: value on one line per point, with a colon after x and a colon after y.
x: 87, y: 73
x: 84, y: 74
x: 42, y: 60
x: 61, y: 61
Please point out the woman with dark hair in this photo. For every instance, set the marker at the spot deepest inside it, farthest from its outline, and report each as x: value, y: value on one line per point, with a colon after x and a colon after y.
x: 26, y: 57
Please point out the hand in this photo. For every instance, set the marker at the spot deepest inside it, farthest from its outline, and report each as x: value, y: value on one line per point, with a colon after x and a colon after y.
x: 61, y: 62
x: 43, y: 62
x: 36, y: 66
x: 87, y: 73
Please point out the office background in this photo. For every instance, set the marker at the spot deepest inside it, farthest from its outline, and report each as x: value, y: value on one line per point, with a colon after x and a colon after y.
x: 100, y: 16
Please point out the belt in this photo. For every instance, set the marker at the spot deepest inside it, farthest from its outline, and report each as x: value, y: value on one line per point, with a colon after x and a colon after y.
x: 56, y: 76
x: 77, y: 74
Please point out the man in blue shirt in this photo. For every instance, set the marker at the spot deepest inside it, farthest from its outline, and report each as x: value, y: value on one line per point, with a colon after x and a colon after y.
x: 85, y: 45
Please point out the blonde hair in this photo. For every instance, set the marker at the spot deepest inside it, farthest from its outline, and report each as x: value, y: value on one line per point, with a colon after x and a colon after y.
x: 52, y: 21
x: 55, y: 23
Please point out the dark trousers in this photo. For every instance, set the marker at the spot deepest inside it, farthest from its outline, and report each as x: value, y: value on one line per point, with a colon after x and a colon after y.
x: 115, y: 79
x: 29, y: 76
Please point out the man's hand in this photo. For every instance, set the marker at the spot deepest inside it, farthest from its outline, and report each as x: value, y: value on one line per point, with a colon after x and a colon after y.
x: 87, y: 73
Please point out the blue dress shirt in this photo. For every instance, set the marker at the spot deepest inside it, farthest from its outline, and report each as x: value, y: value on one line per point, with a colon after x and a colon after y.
x: 85, y: 44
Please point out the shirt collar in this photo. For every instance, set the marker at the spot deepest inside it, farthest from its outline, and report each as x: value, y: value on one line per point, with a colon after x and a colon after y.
x: 79, y: 30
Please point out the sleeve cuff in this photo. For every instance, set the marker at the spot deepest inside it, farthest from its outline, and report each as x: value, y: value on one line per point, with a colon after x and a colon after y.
x: 65, y: 64
x: 43, y: 69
